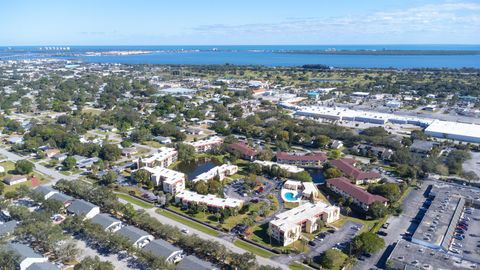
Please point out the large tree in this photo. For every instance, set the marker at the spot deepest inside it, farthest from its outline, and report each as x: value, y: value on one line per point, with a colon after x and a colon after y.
x: 367, y: 242
x: 24, y: 167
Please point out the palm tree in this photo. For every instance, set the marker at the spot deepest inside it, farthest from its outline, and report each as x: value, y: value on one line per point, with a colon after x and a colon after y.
x: 270, y: 232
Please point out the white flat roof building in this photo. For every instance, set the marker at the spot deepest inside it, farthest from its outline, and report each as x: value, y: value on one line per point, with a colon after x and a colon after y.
x: 219, y: 171
x: 287, y: 226
x: 206, y: 144
x: 187, y: 197
x: 288, y: 168
x: 171, y: 181
x: 163, y: 158
x: 454, y: 130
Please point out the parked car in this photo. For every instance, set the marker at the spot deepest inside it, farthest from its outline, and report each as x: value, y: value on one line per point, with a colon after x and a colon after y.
x: 385, y: 225
x: 311, y: 243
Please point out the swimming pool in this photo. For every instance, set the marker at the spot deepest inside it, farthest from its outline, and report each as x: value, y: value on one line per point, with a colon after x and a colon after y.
x: 289, y: 196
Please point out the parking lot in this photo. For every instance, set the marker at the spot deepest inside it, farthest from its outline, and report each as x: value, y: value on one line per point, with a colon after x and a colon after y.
x: 466, y: 241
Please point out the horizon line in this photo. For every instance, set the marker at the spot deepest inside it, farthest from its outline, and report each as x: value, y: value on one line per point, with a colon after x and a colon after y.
x: 287, y: 44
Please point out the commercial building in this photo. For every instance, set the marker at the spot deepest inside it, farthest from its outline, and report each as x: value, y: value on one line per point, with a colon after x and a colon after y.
x: 347, y: 167
x: 408, y: 255
x: 213, y: 202
x: 170, y: 180
x: 163, y: 158
x: 302, y: 160
x: 360, y: 197
x: 286, y: 167
x: 219, y: 172
x: 438, y: 224
x: 344, y: 114
x: 454, y: 131
x: 205, y: 145
x: 288, y: 226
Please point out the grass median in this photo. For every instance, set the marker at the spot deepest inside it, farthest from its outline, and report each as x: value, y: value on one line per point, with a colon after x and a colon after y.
x: 298, y: 266
x: 253, y: 249
x: 135, y: 201
x: 187, y: 222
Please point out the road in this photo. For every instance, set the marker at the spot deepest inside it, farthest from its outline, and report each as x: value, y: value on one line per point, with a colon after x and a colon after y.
x: 55, y: 175
x: 226, y: 242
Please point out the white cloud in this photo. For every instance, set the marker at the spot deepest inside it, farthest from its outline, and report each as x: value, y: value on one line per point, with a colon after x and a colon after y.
x: 460, y: 19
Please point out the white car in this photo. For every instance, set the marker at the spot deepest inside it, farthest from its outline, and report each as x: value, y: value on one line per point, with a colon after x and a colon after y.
x: 185, y: 231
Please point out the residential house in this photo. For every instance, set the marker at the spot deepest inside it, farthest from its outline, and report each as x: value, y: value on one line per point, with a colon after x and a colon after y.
x: 192, y: 262
x: 423, y: 148
x: 15, y: 179
x: 26, y: 255
x: 83, y: 208
x: 359, y: 196
x: 138, y: 238
x: 49, y: 153
x: 288, y: 226
x: 43, y: 266
x: 60, y: 157
x: 366, y: 150
x: 46, y: 191
x: 63, y: 198
x: 8, y: 228
x: 163, y: 140
x: 347, y: 167
x: 336, y: 144
x: 107, y: 222
x: 164, y: 249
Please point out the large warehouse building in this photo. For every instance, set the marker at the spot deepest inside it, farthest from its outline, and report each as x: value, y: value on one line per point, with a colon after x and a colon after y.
x: 454, y: 131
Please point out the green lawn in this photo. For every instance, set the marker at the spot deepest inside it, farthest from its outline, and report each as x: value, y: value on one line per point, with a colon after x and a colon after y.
x: 153, y: 144
x: 10, y: 167
x: 298, y: 266
x: 135, y: 201
x: 188, y: 222
x: 253, y: 249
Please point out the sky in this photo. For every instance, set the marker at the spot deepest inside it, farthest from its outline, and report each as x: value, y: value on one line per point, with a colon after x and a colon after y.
x: 238, y: 22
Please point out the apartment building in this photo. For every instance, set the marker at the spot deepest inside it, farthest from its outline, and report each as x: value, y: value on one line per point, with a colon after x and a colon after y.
x: 163, y: 158
x: 360, y: 197
x: 213, y: 202
x: 288, y: 226
x: 302, y: 160
x: 219, y: 171
x: 347, y: 167
x: 170, y: 180
x: 206, y: 145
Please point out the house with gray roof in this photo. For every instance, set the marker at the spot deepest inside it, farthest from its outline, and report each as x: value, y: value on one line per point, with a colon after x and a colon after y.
x: 26, y: 255
x: 138, y: 238
x: 46, y: 191
x: 192, y: 262
x: 164, y: 249
x: 107, y: 222
x: 63, y: 198
x: 83, y: 208
x: 43, y: 266
x: 8, y: 228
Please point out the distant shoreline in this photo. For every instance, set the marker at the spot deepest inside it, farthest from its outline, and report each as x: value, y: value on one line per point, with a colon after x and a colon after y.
x: 383, y: 52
